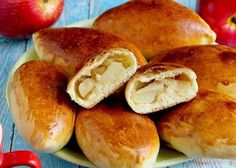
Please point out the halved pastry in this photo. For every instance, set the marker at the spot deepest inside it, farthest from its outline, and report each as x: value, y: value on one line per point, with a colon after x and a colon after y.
x: 158, y: 86
x: 40, y: 107
x: 215, y: 65
x: 202, y: 127
x: 112, y: 136
x: 155, y: 25
x: 101, y: 77
x: 98, y: 63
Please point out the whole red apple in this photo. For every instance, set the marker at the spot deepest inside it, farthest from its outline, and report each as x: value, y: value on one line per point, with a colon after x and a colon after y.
x: 21, y: 18
x: 221, y: 16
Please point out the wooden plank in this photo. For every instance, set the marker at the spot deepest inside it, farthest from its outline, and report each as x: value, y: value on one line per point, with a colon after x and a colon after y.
x: 10, y: 50
x: 74, y: 11
x: 207, y: 163
x: 189, y: 3
x: 98, y: 7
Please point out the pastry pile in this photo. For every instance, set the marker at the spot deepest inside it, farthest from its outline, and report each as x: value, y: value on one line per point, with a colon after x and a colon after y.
x: 99, y: 83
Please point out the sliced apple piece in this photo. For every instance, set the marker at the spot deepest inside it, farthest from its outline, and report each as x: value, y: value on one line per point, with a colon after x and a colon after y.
x: 113, y: 72
x: 148, y: 93
x: 86, y: 86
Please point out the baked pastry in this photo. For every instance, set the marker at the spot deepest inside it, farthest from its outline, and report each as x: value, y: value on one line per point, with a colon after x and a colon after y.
x: 72, y: 48
x: 98, y: 63
x: 202, y: 127
x: 215, y: 65
x: 40, y: 107
x: 112, y: 136
x: 155, y: 25
x: 156, y: 87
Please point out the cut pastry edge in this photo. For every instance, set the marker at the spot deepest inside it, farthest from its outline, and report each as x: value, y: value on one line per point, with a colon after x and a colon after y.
x: 148, y: 92
x: 101, y: 76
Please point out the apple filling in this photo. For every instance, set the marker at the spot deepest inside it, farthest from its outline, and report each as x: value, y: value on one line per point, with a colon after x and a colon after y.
x: 101, y: 79
x: 158, y: 91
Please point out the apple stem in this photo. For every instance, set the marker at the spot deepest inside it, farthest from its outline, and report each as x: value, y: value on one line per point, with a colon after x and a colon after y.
x: 233, y: 20
x: 45, y: 1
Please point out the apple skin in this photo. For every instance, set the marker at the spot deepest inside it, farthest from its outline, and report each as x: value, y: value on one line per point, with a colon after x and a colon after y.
x: 221, y: 16
x: 21, y: 18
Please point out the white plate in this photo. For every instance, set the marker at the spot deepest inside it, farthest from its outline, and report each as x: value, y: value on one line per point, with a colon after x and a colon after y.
x: 71, y: 151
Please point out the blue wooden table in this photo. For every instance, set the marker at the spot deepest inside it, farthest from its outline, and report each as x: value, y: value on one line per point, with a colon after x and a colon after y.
x: 11, y: 50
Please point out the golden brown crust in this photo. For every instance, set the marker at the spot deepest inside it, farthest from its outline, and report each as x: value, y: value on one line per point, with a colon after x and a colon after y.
x: 213, y: 64
x: 158, y: 68
x: 40, y: 106
x: 192, y: 54
x: 205, y: 126
x: 71, y: 48
x: 155, y: 25
x: 112, y: 136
